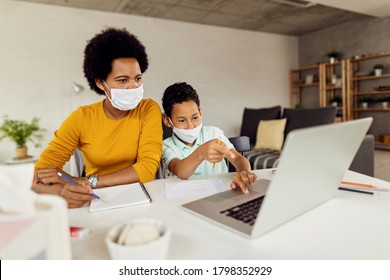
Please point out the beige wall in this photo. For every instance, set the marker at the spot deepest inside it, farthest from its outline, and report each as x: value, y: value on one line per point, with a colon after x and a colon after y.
x: 41, y: 54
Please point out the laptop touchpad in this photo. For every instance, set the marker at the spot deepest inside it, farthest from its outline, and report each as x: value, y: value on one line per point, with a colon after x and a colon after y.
x: 258, y: 189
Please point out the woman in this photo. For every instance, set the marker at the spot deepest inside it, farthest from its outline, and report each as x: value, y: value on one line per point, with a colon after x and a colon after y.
x: 120, y: 137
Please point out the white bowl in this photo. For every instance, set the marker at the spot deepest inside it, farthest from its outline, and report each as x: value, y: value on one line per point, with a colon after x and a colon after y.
x: 153, y: 250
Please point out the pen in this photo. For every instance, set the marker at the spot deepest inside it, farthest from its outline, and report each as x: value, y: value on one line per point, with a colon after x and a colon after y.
x: 354, y: 190
x: 360, y: 186
x: 218, y: 142
x: 75, y: 183
x: 357, y: 184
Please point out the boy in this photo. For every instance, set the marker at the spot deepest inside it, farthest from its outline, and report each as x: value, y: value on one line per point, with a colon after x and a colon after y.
x: 194, y: 148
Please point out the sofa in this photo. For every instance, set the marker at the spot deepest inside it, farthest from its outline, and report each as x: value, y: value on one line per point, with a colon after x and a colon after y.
x: 267, y: 128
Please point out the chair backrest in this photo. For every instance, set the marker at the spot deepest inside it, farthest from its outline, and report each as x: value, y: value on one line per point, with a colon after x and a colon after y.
x: 252, y: 117
x: 301, y: 118
x: 241, y: 143
x: 77, y: 167
x: 167, y: 131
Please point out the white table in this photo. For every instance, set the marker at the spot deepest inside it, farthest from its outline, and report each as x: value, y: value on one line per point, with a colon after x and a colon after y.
x: 349, y: 226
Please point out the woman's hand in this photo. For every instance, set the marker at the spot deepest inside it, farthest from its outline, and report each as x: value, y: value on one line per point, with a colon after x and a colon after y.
x: 77, y: 195
x: 48, y: 176
x: 242, y: 180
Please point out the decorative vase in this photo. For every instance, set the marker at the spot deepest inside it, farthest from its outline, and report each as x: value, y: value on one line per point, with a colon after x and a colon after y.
x: 364, y: 105
x: 309, y: 79
x: 385, y: 104
x: 378, y: 72
x: 21, y: 152
x: 332, y: 60
x: 334, y: 104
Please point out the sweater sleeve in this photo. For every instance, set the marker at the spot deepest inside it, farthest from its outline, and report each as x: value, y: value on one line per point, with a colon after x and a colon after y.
x: 62, y: 146
x: 150, y: 143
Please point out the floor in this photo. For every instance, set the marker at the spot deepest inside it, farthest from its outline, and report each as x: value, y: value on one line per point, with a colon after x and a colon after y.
x: 382, y: 165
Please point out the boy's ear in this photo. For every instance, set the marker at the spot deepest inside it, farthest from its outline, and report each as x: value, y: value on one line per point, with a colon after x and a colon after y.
x: 166, y: 121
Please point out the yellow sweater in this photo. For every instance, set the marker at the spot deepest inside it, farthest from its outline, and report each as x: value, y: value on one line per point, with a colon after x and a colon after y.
x: 109, y: 145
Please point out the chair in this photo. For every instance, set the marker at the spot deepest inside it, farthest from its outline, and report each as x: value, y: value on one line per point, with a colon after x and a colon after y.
x: 77, y: 167
x: 162, y: 171
x: 242, y: 145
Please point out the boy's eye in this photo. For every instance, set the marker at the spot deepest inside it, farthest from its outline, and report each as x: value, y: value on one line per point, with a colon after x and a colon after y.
x: 123, y: 81
x: 138, y: 79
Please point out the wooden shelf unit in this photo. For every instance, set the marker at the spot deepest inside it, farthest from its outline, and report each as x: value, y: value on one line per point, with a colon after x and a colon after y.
x: 365, y: 84
x: 298, y: 83
x: 333, y: 83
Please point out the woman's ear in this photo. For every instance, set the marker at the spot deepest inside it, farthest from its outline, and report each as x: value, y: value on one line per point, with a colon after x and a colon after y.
x: 166, y: 121
x: 100, y: 84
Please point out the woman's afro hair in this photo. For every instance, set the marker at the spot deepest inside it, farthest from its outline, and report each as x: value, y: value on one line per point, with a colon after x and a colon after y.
x: 104, y: 48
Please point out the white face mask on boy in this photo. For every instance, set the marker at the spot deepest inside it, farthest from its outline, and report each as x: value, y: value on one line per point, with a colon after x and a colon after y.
x: 187, y: 135
x: 125, y: 99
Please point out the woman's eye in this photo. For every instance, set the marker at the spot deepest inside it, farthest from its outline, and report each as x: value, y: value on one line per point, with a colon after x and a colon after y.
x: 123, y: 81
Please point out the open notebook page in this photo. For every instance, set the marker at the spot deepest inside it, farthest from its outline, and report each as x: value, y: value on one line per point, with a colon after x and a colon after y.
x: 120, y: 196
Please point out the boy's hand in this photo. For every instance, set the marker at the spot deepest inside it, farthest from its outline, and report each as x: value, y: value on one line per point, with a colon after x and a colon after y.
x: 214, y: 151
x: 243, y: 180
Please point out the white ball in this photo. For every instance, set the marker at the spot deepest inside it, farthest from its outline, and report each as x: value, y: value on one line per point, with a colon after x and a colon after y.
x: 136, y: 234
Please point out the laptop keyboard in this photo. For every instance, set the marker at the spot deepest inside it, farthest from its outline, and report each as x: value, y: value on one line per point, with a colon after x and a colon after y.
x: 245, y: 212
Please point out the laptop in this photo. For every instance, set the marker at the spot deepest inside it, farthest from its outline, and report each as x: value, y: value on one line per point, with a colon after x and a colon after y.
x: 311, y: 166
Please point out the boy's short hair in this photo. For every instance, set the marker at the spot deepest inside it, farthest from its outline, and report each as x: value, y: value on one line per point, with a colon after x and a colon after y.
x: 176, y: 94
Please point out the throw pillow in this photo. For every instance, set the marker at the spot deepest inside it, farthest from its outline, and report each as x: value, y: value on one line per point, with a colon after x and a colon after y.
x: 270, y: 134
x: 301, y: 118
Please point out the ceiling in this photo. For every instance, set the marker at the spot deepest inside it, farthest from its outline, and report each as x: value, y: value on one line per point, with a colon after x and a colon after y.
x: 273, y: 16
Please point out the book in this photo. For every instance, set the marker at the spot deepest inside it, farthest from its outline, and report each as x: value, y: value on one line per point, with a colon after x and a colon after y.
x: 120, y: 196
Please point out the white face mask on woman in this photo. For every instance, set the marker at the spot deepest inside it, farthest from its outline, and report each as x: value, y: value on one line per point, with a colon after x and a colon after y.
x: 187, y: 135
x: 125, y: 99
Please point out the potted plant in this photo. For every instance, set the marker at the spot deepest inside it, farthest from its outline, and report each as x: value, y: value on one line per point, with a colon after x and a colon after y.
x: 299, y: 106
x: 334, y: 56
x: 335, y: 100
x: 378, y: 69
x: 364, y: 100
x: 384, y: 100
x: 21, y: 132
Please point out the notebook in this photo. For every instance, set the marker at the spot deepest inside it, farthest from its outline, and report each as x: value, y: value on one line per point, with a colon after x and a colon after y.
x: 311, y: 166
x: 120, y: 196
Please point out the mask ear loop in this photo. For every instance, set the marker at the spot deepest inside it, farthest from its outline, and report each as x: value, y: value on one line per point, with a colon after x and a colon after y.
x: 169, y: 119
x: 104, y: 82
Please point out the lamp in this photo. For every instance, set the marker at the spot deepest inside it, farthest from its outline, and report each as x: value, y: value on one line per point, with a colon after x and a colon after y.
x: 77, y: 87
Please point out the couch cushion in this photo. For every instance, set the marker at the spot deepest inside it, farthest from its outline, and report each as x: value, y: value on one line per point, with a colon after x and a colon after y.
x: 251, y: 118
x: 301, y: 118
x: 270, y: 134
